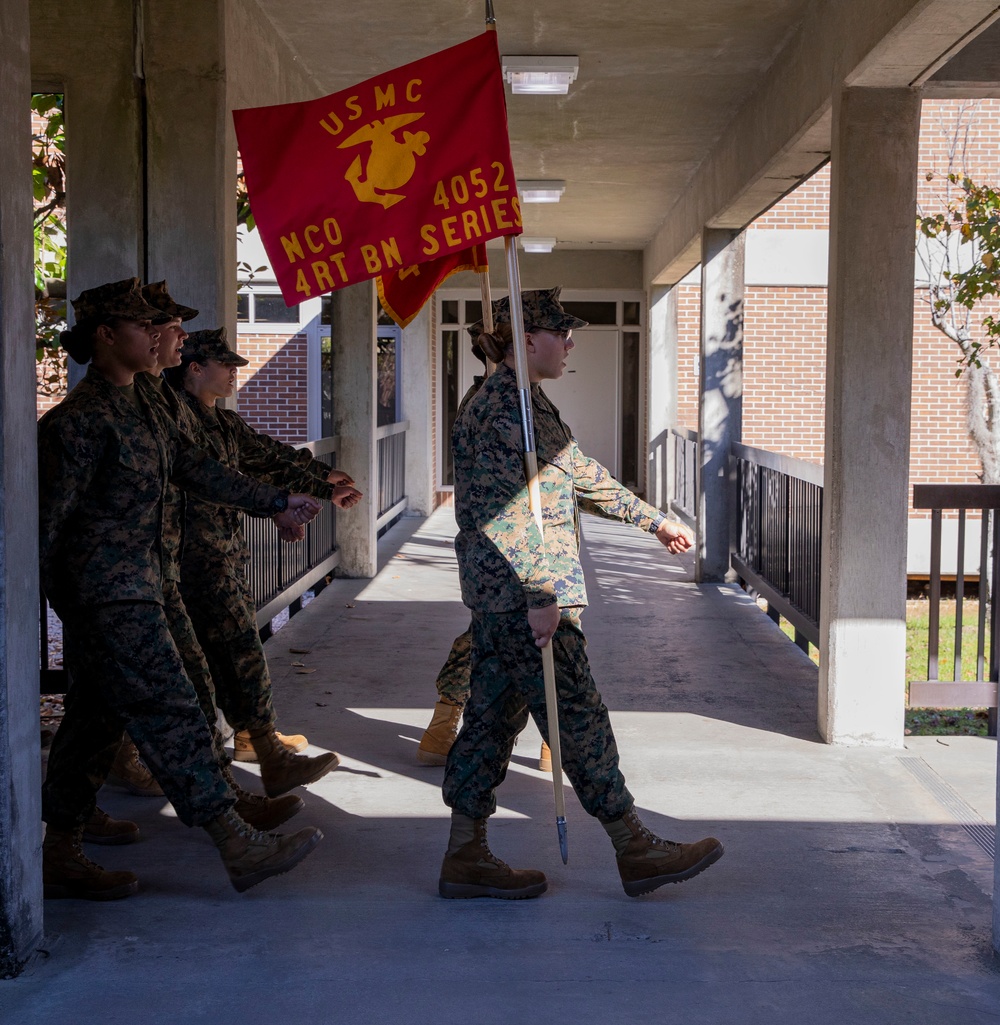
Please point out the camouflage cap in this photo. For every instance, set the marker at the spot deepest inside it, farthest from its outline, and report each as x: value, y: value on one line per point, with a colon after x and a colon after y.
x: 540, y: 307
x: 115, y: 299
x: 212, y: 344
x: 156, y: 294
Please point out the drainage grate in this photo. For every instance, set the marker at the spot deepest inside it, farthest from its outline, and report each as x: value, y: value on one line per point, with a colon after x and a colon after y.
x: 966, y: 816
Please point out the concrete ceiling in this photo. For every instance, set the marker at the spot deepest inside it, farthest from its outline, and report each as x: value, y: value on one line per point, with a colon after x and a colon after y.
x: 659, y: 82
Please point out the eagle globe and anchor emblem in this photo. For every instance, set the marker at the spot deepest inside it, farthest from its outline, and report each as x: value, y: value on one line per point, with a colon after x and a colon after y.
x: 391, y: 162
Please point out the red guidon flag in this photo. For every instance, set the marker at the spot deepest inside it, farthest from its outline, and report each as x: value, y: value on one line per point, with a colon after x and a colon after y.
x: 403, y: 293
x: 410, y: 166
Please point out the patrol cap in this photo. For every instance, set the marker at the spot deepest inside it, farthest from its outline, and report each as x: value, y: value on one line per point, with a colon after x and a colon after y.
x: 115, y: 299
x: 540, y: 307
x: 212, y: 344
x: 156, y: 294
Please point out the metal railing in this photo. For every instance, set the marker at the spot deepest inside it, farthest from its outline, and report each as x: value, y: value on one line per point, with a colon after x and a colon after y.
x: 390, y: 441
x: 956, y: 692
x: 685, y: 493
x: 278, y: 572
x: 779, y: 509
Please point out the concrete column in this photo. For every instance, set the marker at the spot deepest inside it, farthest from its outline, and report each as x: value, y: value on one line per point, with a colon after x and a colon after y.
x: 662, y: 395
x: 720, y: 406
x: 191, y: 157
x: 354, y: 414
x: 418, y: 406
x: 20, y: 810
x: 105, y: 206
x: 868, y: 372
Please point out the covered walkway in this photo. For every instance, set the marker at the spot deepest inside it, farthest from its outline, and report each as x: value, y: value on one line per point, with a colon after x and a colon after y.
x: 855, y: 888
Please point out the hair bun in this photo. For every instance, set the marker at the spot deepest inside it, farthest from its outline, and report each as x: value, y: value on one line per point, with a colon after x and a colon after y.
x: 493, y: 346
x: 79, y: 346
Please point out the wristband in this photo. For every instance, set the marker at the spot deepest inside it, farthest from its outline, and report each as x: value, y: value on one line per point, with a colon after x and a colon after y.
x: 657, y: 523
x: 280, y: 504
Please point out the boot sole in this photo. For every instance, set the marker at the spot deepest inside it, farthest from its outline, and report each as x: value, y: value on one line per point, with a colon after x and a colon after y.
x: 318, y: 774
x: 638, y: 887
x: 241, y: 754
x: 243, y: 883
x: 115, y: 840
x: 460, y: 891
x: 53, y: 892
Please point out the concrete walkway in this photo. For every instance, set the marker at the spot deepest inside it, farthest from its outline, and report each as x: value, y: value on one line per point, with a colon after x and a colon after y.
x: 855, y: 887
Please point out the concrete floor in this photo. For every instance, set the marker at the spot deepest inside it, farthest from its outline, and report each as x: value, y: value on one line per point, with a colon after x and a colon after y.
x: 855, y: 887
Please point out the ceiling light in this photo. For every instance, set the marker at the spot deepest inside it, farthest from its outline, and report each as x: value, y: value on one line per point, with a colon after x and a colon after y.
x: 541, y: 192
x: 551, y: 75
x: 537, y: 245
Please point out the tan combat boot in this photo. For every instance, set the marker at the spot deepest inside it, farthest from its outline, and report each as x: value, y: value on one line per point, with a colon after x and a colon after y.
x: 471, y: 869
x: 280, y: 770
x: 251, y: 857
x: 67, y: 872
x: 243, y: 749
x: 440, y: 735
x: 130, y: 772
x: 101, y: 828
x: 645, y: 861
x: 262, y: 812
x: 545, y: 758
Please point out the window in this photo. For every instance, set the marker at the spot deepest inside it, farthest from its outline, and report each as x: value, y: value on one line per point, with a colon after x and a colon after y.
x: 388, y: 358
x: 255, y: 306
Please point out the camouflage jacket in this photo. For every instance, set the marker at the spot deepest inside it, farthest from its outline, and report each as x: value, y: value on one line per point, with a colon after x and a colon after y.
x: 213, y: 533
x: 156, y: 391
x: 503, y: 564
x: 104, y: 464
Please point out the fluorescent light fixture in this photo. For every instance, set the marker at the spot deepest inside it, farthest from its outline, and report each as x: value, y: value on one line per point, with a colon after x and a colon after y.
x: 541, y: 192
x: 537, y: 245
x: 552, y: 75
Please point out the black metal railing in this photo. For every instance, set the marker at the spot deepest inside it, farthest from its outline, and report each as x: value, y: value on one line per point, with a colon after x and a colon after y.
x: 981, y: 692
x: 390, y: 441
x: 685, y: 491
x: 279, y: 572
x: 779, y: 509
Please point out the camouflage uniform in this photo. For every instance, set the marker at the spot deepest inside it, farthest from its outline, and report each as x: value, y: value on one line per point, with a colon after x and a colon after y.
x: 105, y: 454
x: 155, y: 390
x: 453, y: 680
x: 505, y: 569
x: 213, y: 563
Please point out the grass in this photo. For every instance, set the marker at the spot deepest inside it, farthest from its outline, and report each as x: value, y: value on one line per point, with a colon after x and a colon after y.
x: 937, y: 722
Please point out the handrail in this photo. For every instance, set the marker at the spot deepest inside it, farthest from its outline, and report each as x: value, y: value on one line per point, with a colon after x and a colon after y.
x: 800, y: 469
x: 779, y: 518
x: 685, y: 483
x: 388, y: 430
x: 958, y: 693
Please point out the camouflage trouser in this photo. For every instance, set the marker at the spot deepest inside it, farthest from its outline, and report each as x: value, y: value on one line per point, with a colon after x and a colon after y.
x: 453, y: 681
x: 126, y: 673
x: 225, y: 620
x: 195, y: 664
x: 507, y: 685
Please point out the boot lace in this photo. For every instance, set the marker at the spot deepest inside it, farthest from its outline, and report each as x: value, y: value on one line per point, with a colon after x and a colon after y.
x: 658, y: 842
x: 248, y: 832
x: 78, y: 856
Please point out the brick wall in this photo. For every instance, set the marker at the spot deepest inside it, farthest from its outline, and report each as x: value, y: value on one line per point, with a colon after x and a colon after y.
x: 272, y: 390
